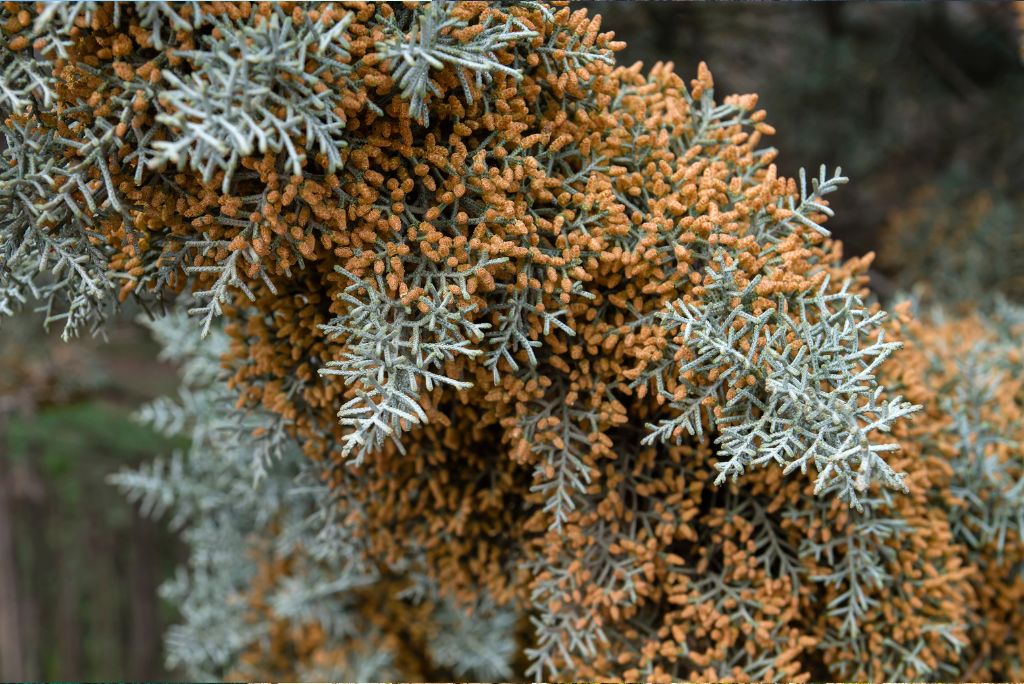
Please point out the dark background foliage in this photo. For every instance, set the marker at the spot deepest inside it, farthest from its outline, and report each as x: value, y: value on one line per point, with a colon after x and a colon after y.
x: 920, y: 103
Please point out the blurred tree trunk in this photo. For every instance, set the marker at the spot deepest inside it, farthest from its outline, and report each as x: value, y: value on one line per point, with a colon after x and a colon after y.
x: 32, y: 514
x: 145, y: 625
x: 69, y: 607
x: 105, y: 608
x: 36, y: 577
x: 12, y: 666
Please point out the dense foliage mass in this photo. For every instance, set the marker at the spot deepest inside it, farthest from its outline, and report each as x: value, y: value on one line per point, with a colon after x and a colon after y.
x: 970, y: 370
x: 977, y: 227
x: 574, y: 383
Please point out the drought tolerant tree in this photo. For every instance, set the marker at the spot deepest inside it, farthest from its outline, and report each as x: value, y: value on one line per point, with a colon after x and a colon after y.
x: 506, y: 360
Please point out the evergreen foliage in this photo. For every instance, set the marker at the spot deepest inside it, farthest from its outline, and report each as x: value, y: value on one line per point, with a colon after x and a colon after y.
x: 511, y: 334
x: 972, y: 368
x: 813, y: 375
x: 270, y: 562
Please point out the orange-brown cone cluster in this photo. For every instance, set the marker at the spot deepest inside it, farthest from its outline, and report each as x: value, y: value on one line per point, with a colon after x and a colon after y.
x: 560, y: 209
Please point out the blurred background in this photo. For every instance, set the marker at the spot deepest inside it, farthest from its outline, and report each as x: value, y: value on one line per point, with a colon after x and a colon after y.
x: 922, y: 104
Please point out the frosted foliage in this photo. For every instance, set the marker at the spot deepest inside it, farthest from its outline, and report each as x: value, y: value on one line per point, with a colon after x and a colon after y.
x: 227, y: 521
x: 252, y: 91
x: 393, y: 350
x: 429, y: 47
x: 814, y: 400
x: 568, y: 309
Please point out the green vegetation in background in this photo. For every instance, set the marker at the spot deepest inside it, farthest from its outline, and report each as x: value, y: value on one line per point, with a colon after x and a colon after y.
x: 85, y: 565
x: 57, y: 438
